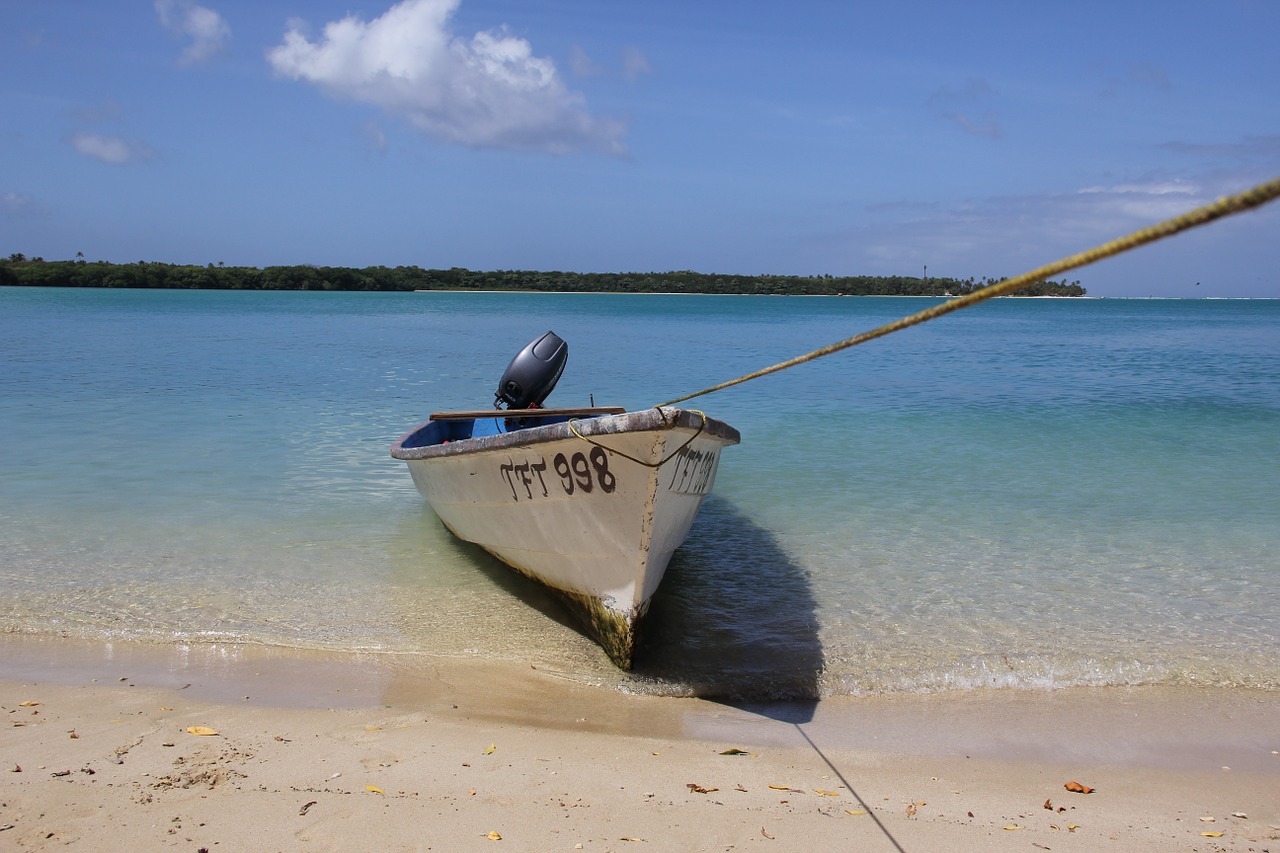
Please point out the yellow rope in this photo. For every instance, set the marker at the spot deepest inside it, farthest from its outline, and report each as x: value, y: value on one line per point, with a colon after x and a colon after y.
x: 1255, y: 197
x: 669, y: 457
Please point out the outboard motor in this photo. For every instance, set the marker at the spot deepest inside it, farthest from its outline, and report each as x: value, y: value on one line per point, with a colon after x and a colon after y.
x: 533, y: 373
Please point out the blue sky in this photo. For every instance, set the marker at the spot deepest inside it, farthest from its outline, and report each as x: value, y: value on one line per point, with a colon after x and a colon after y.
x: 977, y: 139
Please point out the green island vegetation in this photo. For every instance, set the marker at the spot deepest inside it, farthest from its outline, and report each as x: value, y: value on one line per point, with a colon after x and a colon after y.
x: 18, y: 269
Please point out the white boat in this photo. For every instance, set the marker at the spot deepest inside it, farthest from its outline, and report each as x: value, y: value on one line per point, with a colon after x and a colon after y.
x: 590, y: 502
x: 590, y: 505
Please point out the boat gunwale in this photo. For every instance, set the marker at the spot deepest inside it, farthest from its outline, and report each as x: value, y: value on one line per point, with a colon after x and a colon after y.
x: 644, y: 420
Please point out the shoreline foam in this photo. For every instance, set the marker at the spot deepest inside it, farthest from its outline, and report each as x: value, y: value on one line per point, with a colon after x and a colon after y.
x: 1161, y: 725
x: 341, y: 754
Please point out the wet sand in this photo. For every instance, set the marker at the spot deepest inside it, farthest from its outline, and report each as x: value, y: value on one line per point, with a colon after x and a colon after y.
x: 328, y: 752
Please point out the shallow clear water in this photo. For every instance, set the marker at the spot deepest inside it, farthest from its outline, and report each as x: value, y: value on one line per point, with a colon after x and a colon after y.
x: 1027, y: 493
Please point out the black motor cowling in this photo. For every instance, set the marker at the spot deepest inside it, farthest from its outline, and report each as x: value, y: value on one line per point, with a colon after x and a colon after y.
x: 533, y: 373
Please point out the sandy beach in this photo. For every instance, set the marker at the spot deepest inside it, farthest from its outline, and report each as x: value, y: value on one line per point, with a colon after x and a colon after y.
x: 111, y: 747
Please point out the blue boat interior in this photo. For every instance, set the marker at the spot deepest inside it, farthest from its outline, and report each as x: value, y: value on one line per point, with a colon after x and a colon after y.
x: 527, y: 381
x: 441, y: 432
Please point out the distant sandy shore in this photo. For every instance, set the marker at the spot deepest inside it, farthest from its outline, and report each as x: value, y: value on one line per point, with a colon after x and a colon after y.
x: 700, y: 293
x: 323, y: 752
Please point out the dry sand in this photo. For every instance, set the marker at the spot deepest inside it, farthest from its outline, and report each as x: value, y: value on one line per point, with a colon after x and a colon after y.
x: 365, y: 753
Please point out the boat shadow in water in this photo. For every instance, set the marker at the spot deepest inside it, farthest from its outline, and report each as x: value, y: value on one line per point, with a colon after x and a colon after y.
x: 735, y: 620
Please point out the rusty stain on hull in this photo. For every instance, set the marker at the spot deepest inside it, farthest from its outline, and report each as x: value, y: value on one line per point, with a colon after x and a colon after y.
x: 615, y: 631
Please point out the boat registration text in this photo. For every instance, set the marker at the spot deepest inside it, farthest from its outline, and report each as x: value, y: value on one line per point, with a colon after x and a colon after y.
x: 584, y: 473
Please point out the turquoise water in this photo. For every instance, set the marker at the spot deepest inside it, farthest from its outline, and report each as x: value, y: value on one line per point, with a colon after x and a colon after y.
x: 1030, y: 493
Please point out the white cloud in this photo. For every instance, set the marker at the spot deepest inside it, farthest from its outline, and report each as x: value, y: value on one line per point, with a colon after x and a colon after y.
x: 635, y: 63
x: 1154, y: 188
x: 1136, y: 78
x: 959, y: 105
x: 208, y: 31
x: 20, y: 206
x: 1136, y: 203
x: 1149, y: 74
x: 104, y: 111
x: 1004, y: 235
x: 110, y: 149
x: 375, y: 138
x: 987, y: 125
x: 1245, y: 153
x: 488, y: 91
x: 583, y: 65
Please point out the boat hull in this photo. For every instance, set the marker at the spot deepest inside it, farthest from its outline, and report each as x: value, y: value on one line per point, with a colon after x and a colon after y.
x: 592, y: 508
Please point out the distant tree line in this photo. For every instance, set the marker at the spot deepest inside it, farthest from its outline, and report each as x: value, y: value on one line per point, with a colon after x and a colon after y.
x: 17, y: 269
